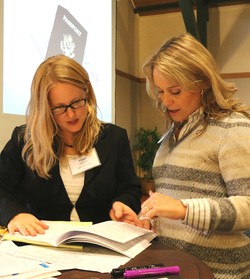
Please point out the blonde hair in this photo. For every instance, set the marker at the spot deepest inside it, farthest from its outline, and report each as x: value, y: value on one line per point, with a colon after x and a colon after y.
x: 187, y: 62
x: 43, y: 142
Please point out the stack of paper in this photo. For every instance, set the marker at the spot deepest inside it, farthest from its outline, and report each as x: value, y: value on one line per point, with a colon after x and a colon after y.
x: 44, y: 253
x: 121, y: 237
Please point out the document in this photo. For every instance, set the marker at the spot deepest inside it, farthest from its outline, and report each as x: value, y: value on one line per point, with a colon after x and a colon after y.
x: 22, y: 268
x: 120, y: 237
x: 61, y: 259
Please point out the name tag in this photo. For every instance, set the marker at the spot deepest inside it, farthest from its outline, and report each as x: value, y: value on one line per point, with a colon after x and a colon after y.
x: 85, y: 162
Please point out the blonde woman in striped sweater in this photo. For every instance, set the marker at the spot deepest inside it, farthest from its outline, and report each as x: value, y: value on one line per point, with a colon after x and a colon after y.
x: 202, y: 167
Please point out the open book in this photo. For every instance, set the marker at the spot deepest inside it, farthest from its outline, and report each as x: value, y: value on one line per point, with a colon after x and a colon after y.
x: 121, y: 237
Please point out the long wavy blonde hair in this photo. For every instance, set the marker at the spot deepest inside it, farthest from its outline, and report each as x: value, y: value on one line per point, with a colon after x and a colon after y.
x: 43, y: 142
x: 187, y: 62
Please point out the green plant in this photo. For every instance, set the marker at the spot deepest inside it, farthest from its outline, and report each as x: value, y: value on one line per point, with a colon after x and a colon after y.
x: 146, y: 146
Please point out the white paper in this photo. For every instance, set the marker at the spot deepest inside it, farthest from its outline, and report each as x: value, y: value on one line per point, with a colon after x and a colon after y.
x: 61, y: 259
x: 22, y: 268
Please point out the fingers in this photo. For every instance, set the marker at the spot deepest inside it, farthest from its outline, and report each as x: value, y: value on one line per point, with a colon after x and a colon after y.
x: 149, y: 210
x: 150, y: 206
x: 43, y: 225
x: 117, y: 210
x: 11, y: 229
x: 122, y: 213
x: 27, y: 229
x: 152, y: 196
x: 146, y: 209
x: 112, y: 215
x: 26, y: 224
x: 143, y: 223
x: 151, y: 193
x: 159, y: 205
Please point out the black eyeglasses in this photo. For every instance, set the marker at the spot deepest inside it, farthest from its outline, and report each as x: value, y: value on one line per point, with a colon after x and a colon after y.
x: 74, y: 105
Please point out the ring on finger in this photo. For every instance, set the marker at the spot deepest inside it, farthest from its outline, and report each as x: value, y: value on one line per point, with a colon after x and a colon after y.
x: 146, y: 208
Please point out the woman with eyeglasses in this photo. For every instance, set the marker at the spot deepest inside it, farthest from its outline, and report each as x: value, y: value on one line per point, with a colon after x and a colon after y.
x: 202, y: 167
x: 65, y: 164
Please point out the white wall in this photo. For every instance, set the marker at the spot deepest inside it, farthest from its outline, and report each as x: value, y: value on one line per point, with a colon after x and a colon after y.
x: 229, y: 42
x: 7, y: 121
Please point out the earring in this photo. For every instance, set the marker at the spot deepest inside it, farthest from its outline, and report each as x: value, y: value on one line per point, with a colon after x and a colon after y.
x: 202, y: 91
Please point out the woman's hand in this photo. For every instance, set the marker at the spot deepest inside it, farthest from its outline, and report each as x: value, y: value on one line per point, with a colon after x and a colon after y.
x: 26, y: 224
x: 145, y: 222
x: 159, y: 205
x: 122, y: 213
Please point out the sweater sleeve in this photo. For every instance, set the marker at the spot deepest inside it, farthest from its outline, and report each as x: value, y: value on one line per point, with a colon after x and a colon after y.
x: 230, y: 213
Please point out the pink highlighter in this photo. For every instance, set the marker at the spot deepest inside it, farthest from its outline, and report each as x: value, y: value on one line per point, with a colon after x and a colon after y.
x: 149, y: 272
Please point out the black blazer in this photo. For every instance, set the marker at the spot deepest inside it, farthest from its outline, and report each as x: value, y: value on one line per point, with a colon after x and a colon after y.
x: 22, y: 190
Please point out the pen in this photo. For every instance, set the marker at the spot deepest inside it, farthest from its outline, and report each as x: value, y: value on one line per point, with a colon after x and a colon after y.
x: 159, y: 271
x: 118, y: 272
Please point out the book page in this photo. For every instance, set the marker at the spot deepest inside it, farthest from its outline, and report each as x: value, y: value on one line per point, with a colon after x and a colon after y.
x: 56, y: 228
x: 117, y: 231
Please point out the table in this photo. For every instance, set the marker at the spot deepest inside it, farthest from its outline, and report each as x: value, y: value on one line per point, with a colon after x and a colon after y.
x: 191, y: 267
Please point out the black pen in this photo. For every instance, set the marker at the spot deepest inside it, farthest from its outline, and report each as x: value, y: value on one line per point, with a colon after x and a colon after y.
x: 118, y: 272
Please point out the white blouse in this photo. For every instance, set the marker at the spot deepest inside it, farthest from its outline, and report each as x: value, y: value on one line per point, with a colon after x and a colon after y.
x: 73, y: 185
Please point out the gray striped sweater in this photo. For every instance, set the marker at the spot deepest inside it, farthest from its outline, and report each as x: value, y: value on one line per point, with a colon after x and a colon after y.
x: 210, y: 173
